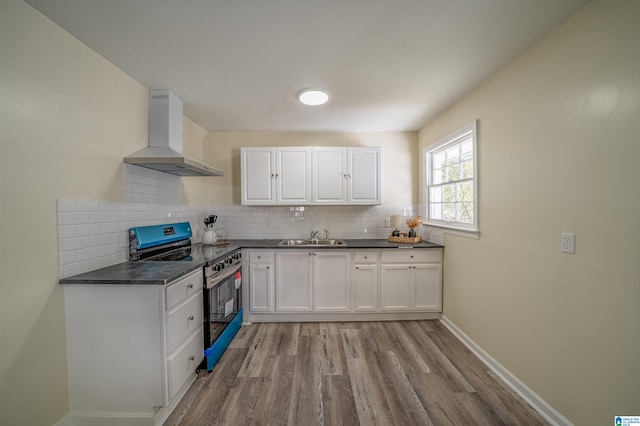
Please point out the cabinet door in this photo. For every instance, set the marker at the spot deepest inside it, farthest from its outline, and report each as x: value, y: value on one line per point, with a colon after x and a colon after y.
x: 293, y: 279
x: 395, y: 287
x: 260, y: 287
x: 331, y: 281
x: 257, y: 169
x: 363, y: 176
x: 293, y: 175
x: 427, y: 284
x: 365, y: 287
x: 329, y: 176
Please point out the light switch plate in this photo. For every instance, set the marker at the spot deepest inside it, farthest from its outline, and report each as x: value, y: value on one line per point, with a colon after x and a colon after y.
x: 568, y: 242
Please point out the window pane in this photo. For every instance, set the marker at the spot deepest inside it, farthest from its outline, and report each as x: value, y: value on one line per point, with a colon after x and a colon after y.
x: 436, y: 211
x: 453, y: 172
x: 465, y: 191
x: 437, y: 160
x: 449, y: 211
x: 435, y: 195
x: 467, y: 150
x: 467, y: 169
x: 439, y: 176
x: 453, y: 154
x: 449, y: 193
x: 466, y: 212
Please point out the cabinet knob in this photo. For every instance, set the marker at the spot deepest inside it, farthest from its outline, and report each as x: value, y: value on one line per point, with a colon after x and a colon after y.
x: 259, y: 257
x: 357, y: 267
x: 190, y: 286
x: 191, y: 318
x: 267, y: 267
x: 191, y: 358
x: 365, y: 257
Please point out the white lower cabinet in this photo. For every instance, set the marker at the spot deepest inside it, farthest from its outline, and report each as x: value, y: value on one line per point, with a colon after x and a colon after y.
x: 293, y: 281
x: 331, y: 283
x: 133, y: 349
x: 345, y: 285
x: 312, y: 281
x: 411, y: 280
x: 365, y: 281
x: 261, y: 281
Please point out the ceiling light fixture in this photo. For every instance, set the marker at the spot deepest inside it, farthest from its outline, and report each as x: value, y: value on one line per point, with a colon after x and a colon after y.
x: 313, y: 97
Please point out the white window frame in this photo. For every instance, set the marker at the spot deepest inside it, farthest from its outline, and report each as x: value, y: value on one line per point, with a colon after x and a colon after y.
x: 449, y: 140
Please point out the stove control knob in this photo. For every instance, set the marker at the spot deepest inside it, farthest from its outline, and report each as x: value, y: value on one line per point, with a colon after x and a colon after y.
x: 218, y: 266
x: 236, y: 256
x: 228, y: 260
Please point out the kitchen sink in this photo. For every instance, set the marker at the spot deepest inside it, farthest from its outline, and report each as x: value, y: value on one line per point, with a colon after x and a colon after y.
x: 313, y: 243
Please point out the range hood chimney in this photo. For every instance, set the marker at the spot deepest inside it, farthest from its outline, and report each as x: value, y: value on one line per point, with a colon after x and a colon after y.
x: 164, y: 152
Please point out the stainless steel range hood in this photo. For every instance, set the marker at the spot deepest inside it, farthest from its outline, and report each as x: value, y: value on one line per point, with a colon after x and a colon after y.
x: 164, y: 152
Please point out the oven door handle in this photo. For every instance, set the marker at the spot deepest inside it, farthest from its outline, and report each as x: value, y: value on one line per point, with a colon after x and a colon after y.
x: 214, y: 281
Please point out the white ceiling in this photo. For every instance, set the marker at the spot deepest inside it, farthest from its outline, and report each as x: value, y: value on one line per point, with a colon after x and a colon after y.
x: 237, y: 64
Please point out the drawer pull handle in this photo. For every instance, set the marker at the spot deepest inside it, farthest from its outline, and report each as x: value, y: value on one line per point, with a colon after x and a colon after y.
x: 191, y: 318
x: 259, y: 257
x: 365, y: 257
x: 190, y: 286
x: 191, y: 358
x: 267, y: 267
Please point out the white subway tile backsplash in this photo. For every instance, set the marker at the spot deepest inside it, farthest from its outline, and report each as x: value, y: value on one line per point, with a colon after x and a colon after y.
x: 66, y: 231
x: 67, y: 205
x: 87, y: 253
x: 75, y: 243
x: 98, y: 236
x: 74, y: 218
x: 87, y: 229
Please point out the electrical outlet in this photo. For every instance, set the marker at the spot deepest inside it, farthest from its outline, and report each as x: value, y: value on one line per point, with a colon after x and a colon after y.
x: 568, y: 242
x: 387, y: 222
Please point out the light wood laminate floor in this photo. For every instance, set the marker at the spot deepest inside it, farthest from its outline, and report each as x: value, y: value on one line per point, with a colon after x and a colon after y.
x: 356, y: 373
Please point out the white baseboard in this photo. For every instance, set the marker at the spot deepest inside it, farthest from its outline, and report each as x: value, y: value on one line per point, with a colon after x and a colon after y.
x: 125, y: 419
x: 532, y: 398
x: 106, y: 419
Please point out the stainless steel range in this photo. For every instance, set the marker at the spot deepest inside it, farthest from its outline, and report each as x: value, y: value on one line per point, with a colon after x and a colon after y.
x: 222, y: 269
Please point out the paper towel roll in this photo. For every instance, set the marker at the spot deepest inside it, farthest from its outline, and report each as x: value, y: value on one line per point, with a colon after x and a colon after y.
x: 396, y: 221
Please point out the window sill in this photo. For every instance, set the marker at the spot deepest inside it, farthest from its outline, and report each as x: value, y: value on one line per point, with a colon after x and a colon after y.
x: 436, y: 233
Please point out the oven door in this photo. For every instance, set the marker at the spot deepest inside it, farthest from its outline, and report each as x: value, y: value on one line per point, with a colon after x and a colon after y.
x: 223, y: 312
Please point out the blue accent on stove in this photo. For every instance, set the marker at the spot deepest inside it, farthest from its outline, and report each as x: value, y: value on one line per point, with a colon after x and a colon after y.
x: 216, y: 350
x: 149, y: 236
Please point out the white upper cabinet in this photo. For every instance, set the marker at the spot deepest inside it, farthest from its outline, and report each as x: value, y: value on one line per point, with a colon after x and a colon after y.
x: 293, y: 176
x: 271, y: 176
x: 363, y: 176
x: 310, y: 175
x: 346, y: 176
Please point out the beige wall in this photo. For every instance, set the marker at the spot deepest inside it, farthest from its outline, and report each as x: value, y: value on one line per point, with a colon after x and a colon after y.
x: 399, y: 162
x: 558, y: 152
x: 196, y: 190
x: 68, y: 118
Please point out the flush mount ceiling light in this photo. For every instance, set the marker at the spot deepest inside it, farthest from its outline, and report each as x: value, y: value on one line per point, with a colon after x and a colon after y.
x: 313, y: 97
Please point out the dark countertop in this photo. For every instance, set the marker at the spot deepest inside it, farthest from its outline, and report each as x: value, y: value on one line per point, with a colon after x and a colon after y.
x: 162, y: 273
x: 351, y: 244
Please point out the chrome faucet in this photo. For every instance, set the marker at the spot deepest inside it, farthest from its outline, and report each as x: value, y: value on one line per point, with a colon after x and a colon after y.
x: 326, y: 234
x: 313, y: 235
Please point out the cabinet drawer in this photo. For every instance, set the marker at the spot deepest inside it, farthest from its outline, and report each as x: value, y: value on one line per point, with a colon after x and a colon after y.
x: 411, y: 256
x: 182, y: 365
x: 365, y: 257
x: 183, y: 288
x: 184, y: 320
x: 260, y: 257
